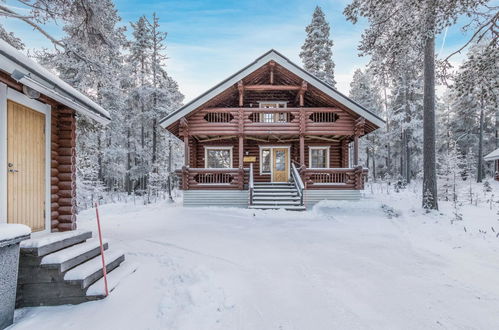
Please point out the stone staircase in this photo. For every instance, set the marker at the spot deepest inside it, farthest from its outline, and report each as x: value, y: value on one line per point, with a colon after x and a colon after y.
x: 276, y: 195
x: 66, y: 268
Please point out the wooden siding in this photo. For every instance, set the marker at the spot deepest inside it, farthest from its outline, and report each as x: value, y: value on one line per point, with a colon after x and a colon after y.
x: 220, y: 198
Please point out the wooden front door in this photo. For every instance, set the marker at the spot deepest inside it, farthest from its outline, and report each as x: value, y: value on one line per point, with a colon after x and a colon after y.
x: 25, y: 166
x: 280, y: 166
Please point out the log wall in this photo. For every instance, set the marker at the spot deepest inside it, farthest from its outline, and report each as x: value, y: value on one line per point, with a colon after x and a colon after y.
x: 63, y: 170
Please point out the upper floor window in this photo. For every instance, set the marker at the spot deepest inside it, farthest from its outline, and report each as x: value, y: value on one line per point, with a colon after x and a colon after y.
x: 272, y: 104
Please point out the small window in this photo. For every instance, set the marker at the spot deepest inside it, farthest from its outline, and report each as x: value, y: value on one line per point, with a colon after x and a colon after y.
x: 265, y: 161
x: 218, y: 157
x: 319, y: 157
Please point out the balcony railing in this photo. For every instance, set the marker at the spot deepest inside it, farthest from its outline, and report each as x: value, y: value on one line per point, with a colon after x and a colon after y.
x: 334, y: 178
x: 212, y: 178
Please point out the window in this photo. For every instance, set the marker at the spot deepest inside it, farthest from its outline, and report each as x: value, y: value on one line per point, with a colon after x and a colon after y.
x: 265, y: 161
x: 319, y: 157
x: 273, y: 117
x: 272, y: 105
x: 218, y: 157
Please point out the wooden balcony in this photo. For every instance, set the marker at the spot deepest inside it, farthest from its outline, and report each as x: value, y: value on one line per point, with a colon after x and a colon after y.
x: 279, y: 121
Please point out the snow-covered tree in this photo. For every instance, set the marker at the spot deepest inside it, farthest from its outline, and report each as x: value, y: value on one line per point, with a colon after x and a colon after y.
x: 317, y: 54
x: 11, y: 39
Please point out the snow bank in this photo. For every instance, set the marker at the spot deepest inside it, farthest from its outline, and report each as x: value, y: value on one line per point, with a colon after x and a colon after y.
x: 10, y: 231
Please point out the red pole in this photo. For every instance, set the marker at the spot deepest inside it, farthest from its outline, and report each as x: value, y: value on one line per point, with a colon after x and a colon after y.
x: 101, y: 249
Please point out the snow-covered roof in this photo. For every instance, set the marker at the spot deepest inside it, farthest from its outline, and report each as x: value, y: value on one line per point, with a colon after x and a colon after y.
x: 272, y: 55
x: 29, y: 73
x: 494, y: 155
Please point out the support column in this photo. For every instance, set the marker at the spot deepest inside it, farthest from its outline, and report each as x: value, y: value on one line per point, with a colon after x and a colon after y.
x: 186, y: 150
x: 241, y: 151
x: 302, y: 150
x: 356, y: 150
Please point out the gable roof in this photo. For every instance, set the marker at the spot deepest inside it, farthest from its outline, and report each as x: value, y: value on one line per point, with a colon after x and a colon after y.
x: 494, y: 155
x: 27, y: 72
x: 271, y: 55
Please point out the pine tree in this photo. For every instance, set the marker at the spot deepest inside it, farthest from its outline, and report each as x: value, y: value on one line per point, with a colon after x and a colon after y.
x: 317, y: 52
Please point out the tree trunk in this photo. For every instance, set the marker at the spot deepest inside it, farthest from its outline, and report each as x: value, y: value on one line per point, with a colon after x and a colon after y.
x: 429, y: 164
x: 479, y: 172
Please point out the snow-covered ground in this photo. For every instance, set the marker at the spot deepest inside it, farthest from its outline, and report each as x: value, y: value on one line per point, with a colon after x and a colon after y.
x: 380, y: 263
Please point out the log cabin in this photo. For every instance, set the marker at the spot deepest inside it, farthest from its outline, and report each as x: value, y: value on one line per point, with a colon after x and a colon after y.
x: 271, y: 136
x: 37, y: 143
x: 494, y: 157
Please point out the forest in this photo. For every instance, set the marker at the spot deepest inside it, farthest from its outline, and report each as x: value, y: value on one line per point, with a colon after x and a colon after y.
x: 439, y: 140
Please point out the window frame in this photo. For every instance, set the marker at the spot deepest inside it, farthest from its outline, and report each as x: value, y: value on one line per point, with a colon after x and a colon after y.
x: 310, y: 148
x: 278, y: 103
x: 207, y: 148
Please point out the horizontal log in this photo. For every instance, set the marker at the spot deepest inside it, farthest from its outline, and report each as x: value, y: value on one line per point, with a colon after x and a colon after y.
x: 67, y: 210
x: 53, y: 224
x: 54, y: 163
x: 54, y: 180
x: 54, y: 206
x: 66, y: 226
x: 54, y: 172
x: 65, y: 186
x: 67, y: 143
x: 66, y: 169
x: 67, y: 218
x: 65, y: 151
x: 65, y: 177
x: 67, y: 201
x: 54, y: 189
x: 66, y: 160
x: 66, y: 135
x: 54, y: 215
x: 54, y: 198
x: 272, y: 87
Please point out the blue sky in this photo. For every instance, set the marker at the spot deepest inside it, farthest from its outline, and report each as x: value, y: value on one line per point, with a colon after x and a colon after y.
x: 209, y: 40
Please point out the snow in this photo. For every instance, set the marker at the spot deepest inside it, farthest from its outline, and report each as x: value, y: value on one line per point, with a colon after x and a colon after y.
x: 10, y: 231
x: 50, y: 238
x: 71, y: 252
x: 493, y: 155
x: 113, y: 279
x: 373, y: 264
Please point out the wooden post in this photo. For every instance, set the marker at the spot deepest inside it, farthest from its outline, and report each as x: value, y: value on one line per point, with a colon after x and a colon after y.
x: 356, y: 150
x: 186, y: 150
x: 272, y: 64
x: 302, y: 150
x: 241, y: 151
x: 240, y: 87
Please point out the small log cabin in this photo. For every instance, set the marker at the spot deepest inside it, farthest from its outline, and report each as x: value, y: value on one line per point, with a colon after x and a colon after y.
x: 271, y: 136
x: 494, y: 157
x: 37, y: 143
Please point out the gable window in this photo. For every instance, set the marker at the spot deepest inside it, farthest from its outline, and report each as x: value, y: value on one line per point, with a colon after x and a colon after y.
x: 265, y: 161
x: 218, y: 157
x: 319, y: 157
x: 273, y: 117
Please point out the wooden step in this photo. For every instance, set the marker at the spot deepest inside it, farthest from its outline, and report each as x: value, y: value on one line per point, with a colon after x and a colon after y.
x: 51, y: 242
x: 90, y: 271
x: 72, y: 256
x: 276, y: 198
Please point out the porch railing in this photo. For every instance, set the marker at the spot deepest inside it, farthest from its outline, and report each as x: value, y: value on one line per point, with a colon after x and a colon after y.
x: 212, y: 178
x: 251, y: 184
x: 334, y: 178
x: 298, y: 181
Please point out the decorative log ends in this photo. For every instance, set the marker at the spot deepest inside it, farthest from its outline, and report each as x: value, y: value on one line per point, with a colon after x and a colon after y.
x: 300, y: 96
x: 63, y: 170
x: 240, y: 88
x: 271, y: 66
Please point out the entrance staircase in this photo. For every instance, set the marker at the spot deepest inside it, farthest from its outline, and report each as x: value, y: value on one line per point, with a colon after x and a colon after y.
x: 276, y: 195
x: 66, y: 268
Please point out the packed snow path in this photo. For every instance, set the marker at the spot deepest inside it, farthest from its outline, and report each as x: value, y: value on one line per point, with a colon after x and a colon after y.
x: 350, y: 265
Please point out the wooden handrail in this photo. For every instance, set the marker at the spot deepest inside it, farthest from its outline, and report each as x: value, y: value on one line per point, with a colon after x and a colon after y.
x: 349, y: 178
x: 251, y: 184
x: 298, y: 182
x: 208, y: 178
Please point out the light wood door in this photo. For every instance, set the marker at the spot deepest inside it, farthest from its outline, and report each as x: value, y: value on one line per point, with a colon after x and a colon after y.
x: 25, y: 166
x: 280, y: 166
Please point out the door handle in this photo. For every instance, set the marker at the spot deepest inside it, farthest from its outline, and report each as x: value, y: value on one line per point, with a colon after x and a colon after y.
x: 13, y: 171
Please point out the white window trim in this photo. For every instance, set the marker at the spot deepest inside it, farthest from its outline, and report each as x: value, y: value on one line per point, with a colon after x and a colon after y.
x: 206, y: 148
x: 260, y: 147
x: 310, y: 148
x: 13, y: 95
x: 275, y: 102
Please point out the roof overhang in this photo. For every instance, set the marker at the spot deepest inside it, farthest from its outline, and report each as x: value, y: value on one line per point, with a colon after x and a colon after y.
x: 275, y: 56
x: 29, y: 73
x: 494, y: 155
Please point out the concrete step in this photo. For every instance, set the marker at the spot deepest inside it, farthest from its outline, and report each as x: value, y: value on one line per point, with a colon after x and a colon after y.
x: 272, y: 183
x: 51, y: 242
x: 272, y: 190
x: 276, y: 198
x: 90, y: 271
x: 276, y: 203
x: 271, y: 207
x: 72, y: 256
